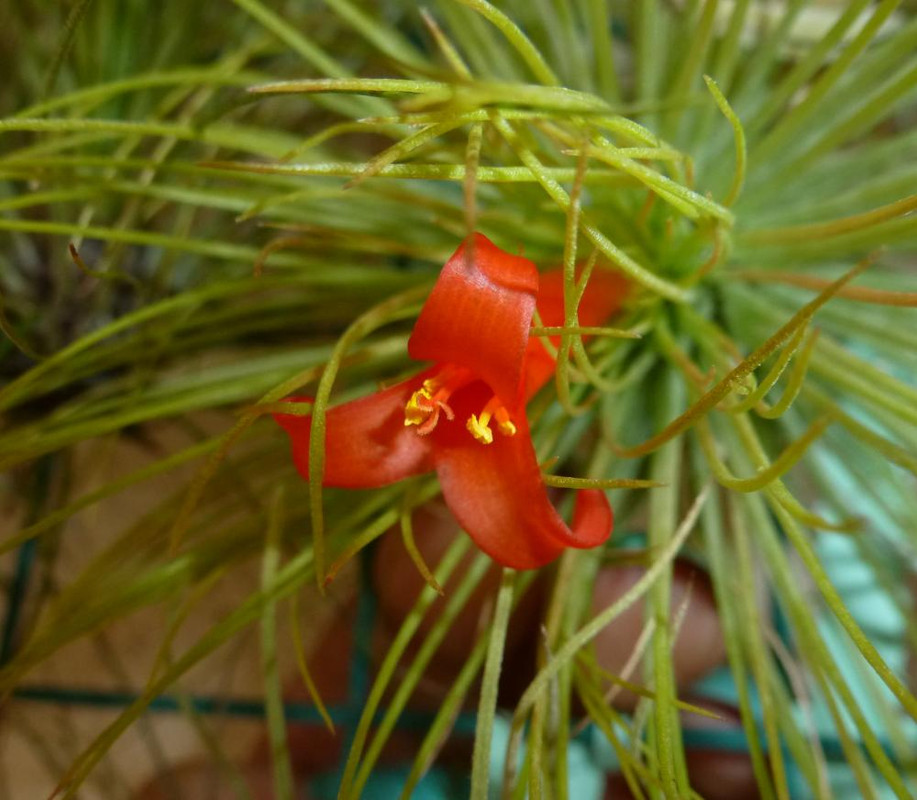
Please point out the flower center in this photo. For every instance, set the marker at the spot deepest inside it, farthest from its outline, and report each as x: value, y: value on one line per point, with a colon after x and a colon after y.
x: 430, y: 400
x: 479, y: 427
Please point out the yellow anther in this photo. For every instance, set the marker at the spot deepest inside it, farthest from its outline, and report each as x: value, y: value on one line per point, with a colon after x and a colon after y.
x: 419, y: 407
x: 479, y: 429
x: 506, y: 427
x: 479, y: 425
x: 425, y: 406
x: 504, y: 423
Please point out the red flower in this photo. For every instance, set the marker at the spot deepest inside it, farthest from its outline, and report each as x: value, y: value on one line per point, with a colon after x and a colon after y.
x: 475, y: 328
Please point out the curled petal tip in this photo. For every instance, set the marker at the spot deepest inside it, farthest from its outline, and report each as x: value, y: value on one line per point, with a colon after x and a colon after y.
x: 479, y: 314
x: 593, y: 519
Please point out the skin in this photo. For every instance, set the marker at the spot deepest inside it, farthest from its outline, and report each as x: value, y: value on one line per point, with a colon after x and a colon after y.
x: 699, y: 646
x: 698, y: 650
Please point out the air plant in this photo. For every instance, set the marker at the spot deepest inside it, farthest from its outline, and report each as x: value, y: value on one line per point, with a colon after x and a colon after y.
x: 260, y: 215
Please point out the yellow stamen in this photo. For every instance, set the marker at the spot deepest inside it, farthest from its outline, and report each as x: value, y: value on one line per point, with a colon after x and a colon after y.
x: 426, y: 404
x: 504, y: 423
x: 478, y: 428
x: 419, y: 407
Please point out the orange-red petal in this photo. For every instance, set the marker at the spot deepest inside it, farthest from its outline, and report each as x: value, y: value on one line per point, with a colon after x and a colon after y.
x: 603, y: 297
x: 479, y: 314
x: 497, y: 494
x: 539, y: 367
x: 366, y: 442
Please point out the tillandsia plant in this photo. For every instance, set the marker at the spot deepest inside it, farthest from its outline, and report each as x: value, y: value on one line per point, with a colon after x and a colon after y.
x: 258, y: 202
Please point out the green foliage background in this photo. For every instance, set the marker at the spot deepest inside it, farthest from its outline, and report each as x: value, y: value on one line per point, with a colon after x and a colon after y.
x: 235, y: 246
